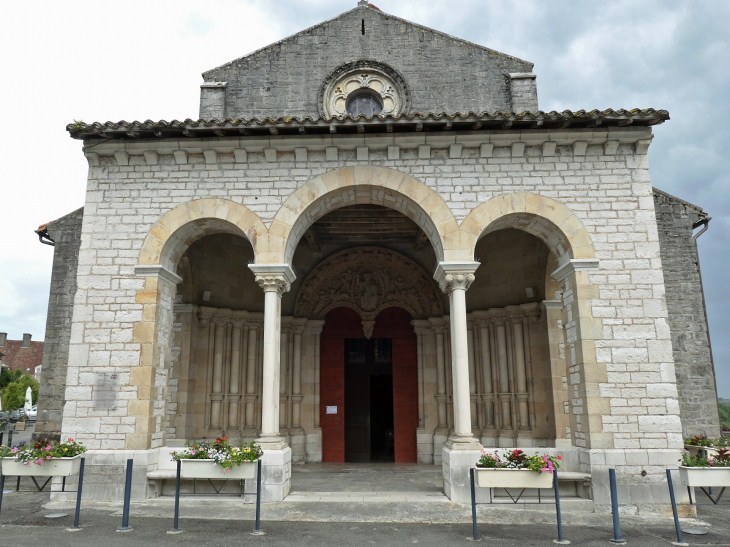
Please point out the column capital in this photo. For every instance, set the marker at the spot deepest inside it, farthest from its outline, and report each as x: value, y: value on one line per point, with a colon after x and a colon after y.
x: 453, y: 276
x: 315, y: 326
x: 145, y: 270
x: 273, y: 277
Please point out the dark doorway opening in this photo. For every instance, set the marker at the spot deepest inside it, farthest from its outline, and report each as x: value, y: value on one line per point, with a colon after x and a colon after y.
x: 369, y: 400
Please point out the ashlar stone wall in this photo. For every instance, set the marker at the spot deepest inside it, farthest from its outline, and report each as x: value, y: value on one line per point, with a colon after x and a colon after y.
x: 618, y: 348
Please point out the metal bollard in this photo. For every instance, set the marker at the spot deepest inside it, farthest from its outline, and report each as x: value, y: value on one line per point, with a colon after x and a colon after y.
x: 614, y: 509
x: 473, y: 506
x: 175, y: 529
x: 127, y: 496
x: 2, y: 487
x: 557, y: 510
x: 78, y: 494
x: 258, y: 529
x: 10, y: 438
x: 674, y: 508
x: 2, y: 434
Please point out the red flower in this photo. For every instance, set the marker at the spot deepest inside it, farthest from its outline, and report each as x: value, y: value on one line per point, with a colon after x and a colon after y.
x: 560, y: 457
x: 224, y: 438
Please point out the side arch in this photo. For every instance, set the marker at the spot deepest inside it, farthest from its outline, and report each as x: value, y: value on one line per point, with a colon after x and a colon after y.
x: 562, y: 231
x: 180, y: 227
x: 355, y: 185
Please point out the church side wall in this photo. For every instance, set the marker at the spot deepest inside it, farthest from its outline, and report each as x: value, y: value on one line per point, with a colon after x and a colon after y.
x: 687, y: 317
x: 66, y: 233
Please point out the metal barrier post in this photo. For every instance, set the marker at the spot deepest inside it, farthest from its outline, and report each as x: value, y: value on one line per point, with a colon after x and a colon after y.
x: 78, y: 494
x: 127, y: 495
x: 10, y: 438
x: 473, y: 506
x: 2, y: 487
x: 175, y: 528
x: 557, y: 509
x: 258, y: 529
x: 674, y: 508
x: 614, y: 509
x: 2, y: 434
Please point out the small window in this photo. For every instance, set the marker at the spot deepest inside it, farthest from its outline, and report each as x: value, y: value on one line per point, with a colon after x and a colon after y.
x: 365, y: 103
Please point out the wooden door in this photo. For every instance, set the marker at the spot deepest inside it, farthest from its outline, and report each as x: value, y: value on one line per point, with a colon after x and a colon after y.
x: 357, y: 416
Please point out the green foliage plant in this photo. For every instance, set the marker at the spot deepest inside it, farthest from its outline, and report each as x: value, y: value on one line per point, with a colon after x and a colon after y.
x: 42, y: 451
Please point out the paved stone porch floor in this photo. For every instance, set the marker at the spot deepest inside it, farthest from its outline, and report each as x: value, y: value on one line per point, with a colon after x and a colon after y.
x: 366, y: 482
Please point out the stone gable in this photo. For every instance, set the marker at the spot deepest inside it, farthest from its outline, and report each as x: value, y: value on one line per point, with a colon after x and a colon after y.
x: 442, y: 73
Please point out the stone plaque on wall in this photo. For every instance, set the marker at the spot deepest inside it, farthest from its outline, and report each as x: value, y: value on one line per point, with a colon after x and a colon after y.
x: 106, y: 389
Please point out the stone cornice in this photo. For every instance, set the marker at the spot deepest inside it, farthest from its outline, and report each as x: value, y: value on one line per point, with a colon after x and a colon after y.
x: 637, y: 136
x: 575, y: 265
x: 144, y: 270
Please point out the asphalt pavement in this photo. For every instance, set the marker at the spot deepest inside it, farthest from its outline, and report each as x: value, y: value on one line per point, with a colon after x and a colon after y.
x: 23, y: 522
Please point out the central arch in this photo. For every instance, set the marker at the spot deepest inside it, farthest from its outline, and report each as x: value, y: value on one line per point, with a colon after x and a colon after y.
x: 360, y: 185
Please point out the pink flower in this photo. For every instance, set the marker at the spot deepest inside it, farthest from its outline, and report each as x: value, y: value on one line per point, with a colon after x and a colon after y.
x: 48, y: 448
x: 48, y: 457
x: 192, y: 452
x: 14, y: 450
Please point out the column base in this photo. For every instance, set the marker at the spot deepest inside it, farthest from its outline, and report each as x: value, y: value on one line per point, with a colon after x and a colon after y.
x: 456, y: 460
x: 275, y: 474
x: 272, y: 443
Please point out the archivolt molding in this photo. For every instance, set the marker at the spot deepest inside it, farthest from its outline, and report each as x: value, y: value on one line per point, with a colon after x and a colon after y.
x: 368, y: 280
x: 177, y: 229
x: 543, y: 217
x: 361, y: 184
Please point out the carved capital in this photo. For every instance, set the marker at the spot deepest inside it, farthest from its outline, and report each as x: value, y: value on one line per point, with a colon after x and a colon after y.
x: 456, y: 282
x: 273, y: 277
x: 455, y: 276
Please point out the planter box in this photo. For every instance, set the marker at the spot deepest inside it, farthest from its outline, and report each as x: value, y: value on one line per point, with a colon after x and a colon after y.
x: 704, y: 476
x: 56, y: 467
x: 20, y: 426
x: 512, y: 478
x: 208, y: 469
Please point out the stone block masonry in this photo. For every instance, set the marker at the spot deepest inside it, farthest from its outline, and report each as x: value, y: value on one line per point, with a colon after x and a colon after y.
x: 444, y: 74
x: 66, y: 233
x: 687, y: 315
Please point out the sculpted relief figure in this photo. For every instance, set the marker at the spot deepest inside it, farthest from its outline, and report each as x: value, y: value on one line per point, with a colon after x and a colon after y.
x: 368, y: 280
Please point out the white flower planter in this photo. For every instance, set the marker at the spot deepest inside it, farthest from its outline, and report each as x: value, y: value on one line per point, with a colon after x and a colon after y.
x: 56, y: 467
x: 512, y: 478
x: 208, y: 469
x: 704, y: 476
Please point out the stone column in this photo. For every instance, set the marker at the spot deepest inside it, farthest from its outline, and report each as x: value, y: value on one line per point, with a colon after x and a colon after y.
x: 284, y: 333
x: 316, y: 330
x: 217, y: 393
x: 520, y: 370
x: 437, y: 324
x: 420, y: 327
x: 234, y: 395
x: 275, y: 280
x: 462, y: 450
x: 505, y: 397
x: 472, y: 376
x: 251, y: 374
x: 296, y: 389
x: 487, y: 389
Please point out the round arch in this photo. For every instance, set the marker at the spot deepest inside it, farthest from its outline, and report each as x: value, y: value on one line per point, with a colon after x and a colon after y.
x: 180, y: 227
x: 551, y: 221
x: 357, y: 185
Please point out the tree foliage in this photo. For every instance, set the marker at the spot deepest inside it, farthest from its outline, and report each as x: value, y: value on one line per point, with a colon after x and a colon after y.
x: 724, y: 414
x: 13, y: 392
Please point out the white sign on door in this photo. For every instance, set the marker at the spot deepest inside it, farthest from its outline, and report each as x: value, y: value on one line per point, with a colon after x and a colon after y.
x: 331, y: 410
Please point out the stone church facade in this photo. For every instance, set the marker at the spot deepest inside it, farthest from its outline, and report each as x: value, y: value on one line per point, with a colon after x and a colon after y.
x: 373, y: 246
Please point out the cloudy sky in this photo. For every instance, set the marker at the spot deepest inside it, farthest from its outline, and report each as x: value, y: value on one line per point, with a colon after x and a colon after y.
x: 134, y: 60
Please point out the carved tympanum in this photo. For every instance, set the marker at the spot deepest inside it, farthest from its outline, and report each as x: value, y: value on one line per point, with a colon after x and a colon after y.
x: 368, y: 280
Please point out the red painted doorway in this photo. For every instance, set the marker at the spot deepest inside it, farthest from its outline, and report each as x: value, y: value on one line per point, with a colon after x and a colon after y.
x: 342, y: 328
